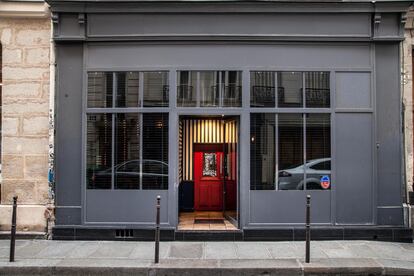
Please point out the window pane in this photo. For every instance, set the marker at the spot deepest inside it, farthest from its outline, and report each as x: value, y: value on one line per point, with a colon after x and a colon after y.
x: 127, y: 84
x: 187, y: 88
x: 127, y: 140
x: 317, y: 89
x: 262, y: 89
x: 318, y: 151
x: 231, y: 88
x: 100, y: 86
x: 290, y: 89
x: 262, y: 151
x: 156, y: 89
x: 99, y: 151
x: 291, y: 168
x: 155, y: 151
x: 209, y: 88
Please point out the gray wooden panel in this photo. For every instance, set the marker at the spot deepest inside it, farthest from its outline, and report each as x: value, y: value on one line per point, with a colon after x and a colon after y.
x: 68, y: 125
x: 353, y: 90
x: 225, y: 56
x: 354, y: 168
x: 390, y: 183
x: 288, y: 207
x: 125, y: 206
x: 311, y: 24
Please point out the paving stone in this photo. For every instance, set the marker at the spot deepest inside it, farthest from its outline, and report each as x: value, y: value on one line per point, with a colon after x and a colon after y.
x: 114, y: 250
x: 31, y: 249
x: 397, y: 267
x: 58, y: 250
x: 342, y: 266
x: 186, y: 250
x: 220, y: 250
x: 252, y: 250
x: 146, y: 250
x: 83, y: 250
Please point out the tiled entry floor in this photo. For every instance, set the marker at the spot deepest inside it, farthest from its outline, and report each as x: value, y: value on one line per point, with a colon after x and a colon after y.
x: 212, y: 221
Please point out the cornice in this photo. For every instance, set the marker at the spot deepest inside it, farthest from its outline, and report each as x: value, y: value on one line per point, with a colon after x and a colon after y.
x: 17, y: 9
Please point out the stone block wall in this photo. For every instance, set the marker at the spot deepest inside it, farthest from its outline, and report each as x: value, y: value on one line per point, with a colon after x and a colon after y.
x: 25, y: 119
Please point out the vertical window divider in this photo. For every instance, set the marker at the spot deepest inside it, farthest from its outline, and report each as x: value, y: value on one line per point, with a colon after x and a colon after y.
x: 113, y: 116
x: 220, y: 73
x: 304, y: 150
x: 141, y: 130
x: 303, y: 90
x: 276, y: 178
x: 140, y: 89
x: 198, y: 90
x: 276, y: 90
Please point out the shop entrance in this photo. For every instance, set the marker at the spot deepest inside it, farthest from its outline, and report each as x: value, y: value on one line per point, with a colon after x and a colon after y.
x: 208, y: 157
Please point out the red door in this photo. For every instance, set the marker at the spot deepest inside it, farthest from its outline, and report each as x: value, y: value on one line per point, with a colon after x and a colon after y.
x: 208, y: 178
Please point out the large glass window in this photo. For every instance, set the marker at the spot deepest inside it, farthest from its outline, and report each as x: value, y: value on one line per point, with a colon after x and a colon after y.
x: 127, y: 150
x: 209, y: 88
x: 262, y: 89
x: 290, y: 149
x: 317, y: 87
x: 290, y: 89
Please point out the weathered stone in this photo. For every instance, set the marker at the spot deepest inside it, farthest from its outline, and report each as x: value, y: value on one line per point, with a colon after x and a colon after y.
x: 20, y: 145
x: 12, y: 167
x: 35, y: 167
x: 42, y: 189
x: 24, y: 189
x: 37, y: 56
x: 12, y: 56
x: 20, y: 73
x: 36, y: 125
x: 6, y: 36
x: 25, y: 107
x: 33, y: 37
x: 22, y: 90
x: 10, y: 126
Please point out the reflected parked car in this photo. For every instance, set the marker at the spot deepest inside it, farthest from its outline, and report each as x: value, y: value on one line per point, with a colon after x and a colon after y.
x: 293, y: 178
x: 127, y: 175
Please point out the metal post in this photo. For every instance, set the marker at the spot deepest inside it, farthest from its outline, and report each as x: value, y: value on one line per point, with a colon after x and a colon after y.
x: 308, y: 235
x: 13, y: 230
x: 157, y: 231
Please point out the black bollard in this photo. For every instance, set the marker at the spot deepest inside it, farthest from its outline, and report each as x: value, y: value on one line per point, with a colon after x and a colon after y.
x: 308, y: 234
x: 157, y: 231
x: 13, y: 230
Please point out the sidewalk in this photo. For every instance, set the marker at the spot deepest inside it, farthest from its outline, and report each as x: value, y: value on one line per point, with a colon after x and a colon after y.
x: 42, y: 257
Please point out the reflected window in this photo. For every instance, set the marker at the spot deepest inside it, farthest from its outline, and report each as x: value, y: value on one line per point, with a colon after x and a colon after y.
x: 187, y: 89
x: 127, y: 89
x: 262, y: 151
x: 100, y: 89
x: 317, y: 89
x: 99, y: 151
x: 290, y: 89
x: 290, y: 149
x: 156, y: 89
x: 209, y: 89
x: 262, y: 89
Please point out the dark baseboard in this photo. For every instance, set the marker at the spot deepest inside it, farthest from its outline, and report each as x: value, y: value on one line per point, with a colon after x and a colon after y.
x: 378, y: 233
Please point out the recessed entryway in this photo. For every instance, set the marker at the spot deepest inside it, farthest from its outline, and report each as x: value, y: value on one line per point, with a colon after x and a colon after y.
x: 208, y: 173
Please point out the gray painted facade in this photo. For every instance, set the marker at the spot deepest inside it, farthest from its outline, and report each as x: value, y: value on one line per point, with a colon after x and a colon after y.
x: 357, y: 42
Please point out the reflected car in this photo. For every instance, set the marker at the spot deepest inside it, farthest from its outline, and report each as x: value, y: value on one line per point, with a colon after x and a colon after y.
x: 293, y: 178
x: 127, y: 175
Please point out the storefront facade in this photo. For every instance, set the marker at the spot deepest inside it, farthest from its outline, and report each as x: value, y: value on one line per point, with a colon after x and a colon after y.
x: 237, y: 108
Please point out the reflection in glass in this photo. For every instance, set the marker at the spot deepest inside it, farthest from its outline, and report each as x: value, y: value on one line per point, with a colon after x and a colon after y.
x: 100, y: 89
x: 291, y: 168
x: 127, y: 84
x: 99, y: 151
x: 231, y: 88
x: 262, y: 89
x: 156, y: 89
x: 209, y: 164
x: 318, y: 151
x: 290, y: 89
x: 155, y: 151
x: 209, y: 89
x: 187, y: 88
x: 262, y: 151
x: 317, y: 89
x: 127, y: 165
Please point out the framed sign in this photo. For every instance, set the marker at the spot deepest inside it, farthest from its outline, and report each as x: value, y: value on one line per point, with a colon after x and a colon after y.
x: 209, y: 164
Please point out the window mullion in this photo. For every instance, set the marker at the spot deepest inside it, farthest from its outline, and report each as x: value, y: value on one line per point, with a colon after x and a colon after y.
x: 304, y: 150
x: 141, y: 148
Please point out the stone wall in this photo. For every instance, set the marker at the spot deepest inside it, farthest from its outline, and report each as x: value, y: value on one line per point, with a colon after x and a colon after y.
x: 25, y: 120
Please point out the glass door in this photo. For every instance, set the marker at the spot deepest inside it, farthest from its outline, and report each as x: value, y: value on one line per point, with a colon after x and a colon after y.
x: 230, y: 168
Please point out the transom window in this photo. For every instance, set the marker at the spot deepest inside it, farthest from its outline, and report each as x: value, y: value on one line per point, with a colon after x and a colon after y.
x: 209, y: 88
